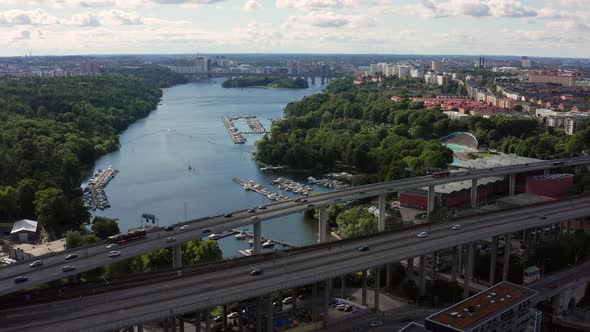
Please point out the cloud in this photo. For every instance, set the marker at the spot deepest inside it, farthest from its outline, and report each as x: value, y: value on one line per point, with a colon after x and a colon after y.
x: 474, y: 8
x: 84, y: 20
x: 251, y: 5
x: 329, y: 19
x: 23, y: 17
x: 118, y: 17
x: 309, y: 4
x: 106, y: 3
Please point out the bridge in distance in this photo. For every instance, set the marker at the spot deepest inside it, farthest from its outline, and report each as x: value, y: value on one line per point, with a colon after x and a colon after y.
x: 94, y: 256
x: 202, y: 291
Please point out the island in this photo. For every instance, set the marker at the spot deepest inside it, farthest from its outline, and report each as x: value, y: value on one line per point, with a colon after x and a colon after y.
x: 266, y: 82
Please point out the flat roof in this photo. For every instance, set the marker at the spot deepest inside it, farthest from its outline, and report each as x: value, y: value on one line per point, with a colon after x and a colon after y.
x: 524, y: 199
x: 481, y: 307
x: 496, y: 161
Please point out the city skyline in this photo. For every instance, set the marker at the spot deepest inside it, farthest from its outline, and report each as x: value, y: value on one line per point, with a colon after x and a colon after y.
x: 554, y: 28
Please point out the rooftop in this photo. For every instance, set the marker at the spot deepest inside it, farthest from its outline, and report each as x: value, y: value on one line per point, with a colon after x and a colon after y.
x: 24, y: 225
x: 496, y: 161
x: 481, y: 307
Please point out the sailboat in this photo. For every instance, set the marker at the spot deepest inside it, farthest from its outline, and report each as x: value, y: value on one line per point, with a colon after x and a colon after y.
x: 189, y: 166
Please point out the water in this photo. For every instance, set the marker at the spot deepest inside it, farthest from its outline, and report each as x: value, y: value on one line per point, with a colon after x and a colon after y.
x: 187, y: 128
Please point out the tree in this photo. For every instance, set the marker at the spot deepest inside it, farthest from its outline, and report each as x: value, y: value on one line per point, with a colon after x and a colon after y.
x: 104, y: 227
x: 51, y: 208
x: 9, y: 202
x: 356, y: 222
x: 518, y: 108
x: 75, y: 239
x: 156, y: 260
x: 26, y: 197
x: 196, y: 251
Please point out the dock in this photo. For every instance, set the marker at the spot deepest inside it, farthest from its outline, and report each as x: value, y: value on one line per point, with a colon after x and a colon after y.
x: 253, y: 186
x: 250, y: 235
x: 233, y: 132
x: 256, y: 127
x: 94, y: 195
x: 223, y: 235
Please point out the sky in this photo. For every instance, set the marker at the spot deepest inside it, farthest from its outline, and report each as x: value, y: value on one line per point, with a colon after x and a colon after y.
x: 558, y: 28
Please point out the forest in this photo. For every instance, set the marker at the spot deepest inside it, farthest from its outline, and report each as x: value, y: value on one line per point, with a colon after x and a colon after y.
x: 266, y: 81
x: 361, y: 127
x: 53, y: 130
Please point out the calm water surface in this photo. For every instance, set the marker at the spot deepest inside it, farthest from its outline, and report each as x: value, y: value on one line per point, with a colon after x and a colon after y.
x: 187, y: 129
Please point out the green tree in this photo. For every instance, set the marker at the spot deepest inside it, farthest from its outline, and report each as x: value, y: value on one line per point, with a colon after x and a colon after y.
x: 9, y: 206
x: 51, y: 208
x: 356, y: 222
x: 26, y: 197
x: 104, y: 227
x: 196, y: 251
x: 156, y: 260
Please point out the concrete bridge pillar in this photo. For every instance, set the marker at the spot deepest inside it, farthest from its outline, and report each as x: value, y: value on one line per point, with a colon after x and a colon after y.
x: 364, y: 288
x: 454, y: 263
x: 173, y: 321
x: 508, y: 239
x: 493, y: 258
x: 294, y: 305
x: 377, y: 288
x: 422, y: 283
x: 511, y: 184
x: 177, y: 256
x: 207, y: 320
x: 431, y: 200
x: 259, y: 310
x: 343, y: 288
x: 165, y: 325
x: 468, y: 270
x: 323, y: 225
x: 388, y: 277
x: 382, y: 210
x: 474, y: 193
x: 314, y: 302
x: 139, y: 327
x: 433, y: 268
x: 326, y: 305
x: 198, y: 321
x: 257, y: 237
x: 460, y: 260
x: 410, y: 268
x: 269, y: 314
x: 225, y: 313
x: 240, y: 317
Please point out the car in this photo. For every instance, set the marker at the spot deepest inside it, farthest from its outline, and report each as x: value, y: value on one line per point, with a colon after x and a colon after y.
x: 71, y: 256
x: 114, y: 253
x: 206, y: 230
x: 218, y: 319
x: 68, y: 268
x: 300, y: 200
x: 456, y: 227
x: 185, y: 227
x: 338, y: 200
x: 251, y: 210
x: 348, y: 308
x: 288, y: 300
x: 20, y: 279
x: 255, y: 272
x: 36, y: 263
x: 310, y: 205
x: 254, y: 218
x: 341, y: 307
x: 170, y: 239
x: 422, y: 234
x: 227, y: 215
x: 277, y: 304
x: 363, y: 248
x: 405, y: 319
x: 375, y: 323
x: 168, y: 228
x: 262, y: 207
x: 543, y: 217
x: 112, y: 245
x: 232, y: 315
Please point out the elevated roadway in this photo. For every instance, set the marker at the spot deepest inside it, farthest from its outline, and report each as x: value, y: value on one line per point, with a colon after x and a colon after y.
x: 95, y: 256
x: 125, y: 308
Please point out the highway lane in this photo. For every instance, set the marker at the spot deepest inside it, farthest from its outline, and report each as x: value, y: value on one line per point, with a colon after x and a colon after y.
x: 95, y: 256
x: 207, y: 290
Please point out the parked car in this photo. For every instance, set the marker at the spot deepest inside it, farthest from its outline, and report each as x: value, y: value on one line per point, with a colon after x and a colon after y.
x: 288, y: 300
x: 232, y: 315
x: 36, y: 263
x: 20, y: 279
x: 218, y: 319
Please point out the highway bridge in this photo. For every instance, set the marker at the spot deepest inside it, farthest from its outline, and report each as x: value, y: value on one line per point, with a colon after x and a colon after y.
x: 95, y: 256
x: 202, y: 291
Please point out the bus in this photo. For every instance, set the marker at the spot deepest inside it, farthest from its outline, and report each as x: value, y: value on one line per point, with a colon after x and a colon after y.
x: 135, y: 234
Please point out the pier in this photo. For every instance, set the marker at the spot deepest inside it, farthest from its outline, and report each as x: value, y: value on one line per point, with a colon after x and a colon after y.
x: 256, y: 127
x: 252, y: 186
x: 94, y: 195
x: 233, y: 132
x: 250, y: 235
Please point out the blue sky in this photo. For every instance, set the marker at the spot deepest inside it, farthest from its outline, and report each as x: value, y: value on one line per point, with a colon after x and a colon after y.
x: 511, y: 27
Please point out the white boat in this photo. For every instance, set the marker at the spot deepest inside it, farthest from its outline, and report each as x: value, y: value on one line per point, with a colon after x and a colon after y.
x: 214, y: 235
x: 241, y: 236
x: 268, y: 244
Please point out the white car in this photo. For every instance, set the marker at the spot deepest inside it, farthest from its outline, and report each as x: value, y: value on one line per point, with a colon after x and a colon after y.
x: 170, y: 239
x: 456, y: 227
x: 36, y: 263
x: 185, y: 227
x: 112, y: 245
x: 254, y: 218
x: 422, y: 234
x: 375, y: 323
x: 114, y: 253
x: 68, y: 268
x: 232, y: 315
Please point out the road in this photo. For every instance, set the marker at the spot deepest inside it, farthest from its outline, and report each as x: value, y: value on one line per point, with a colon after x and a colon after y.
x: 95, y: 256
x: 188, y: 295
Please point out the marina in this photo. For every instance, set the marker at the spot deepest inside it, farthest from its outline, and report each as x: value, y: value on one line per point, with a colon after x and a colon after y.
x: 234, y: 133
x: 256, y: 127
x: 331, y: 181
x: 266, y: 242
x: 292, y: 186
x: 253, y: 186
x: 94, y: 195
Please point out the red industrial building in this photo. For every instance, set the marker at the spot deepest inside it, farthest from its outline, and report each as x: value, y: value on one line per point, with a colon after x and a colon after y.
x: 458, y: 194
